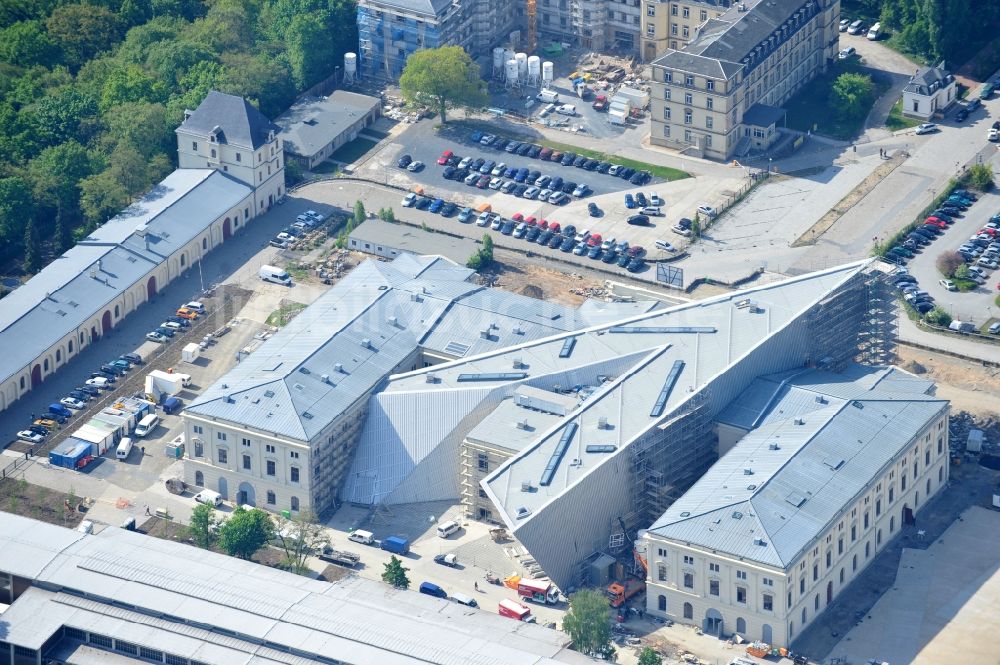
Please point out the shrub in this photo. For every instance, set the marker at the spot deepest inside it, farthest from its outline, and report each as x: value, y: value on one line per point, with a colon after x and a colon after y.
x: 948, y: 262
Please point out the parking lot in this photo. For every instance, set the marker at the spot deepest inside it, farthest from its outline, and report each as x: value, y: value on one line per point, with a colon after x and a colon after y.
x: 681, y: 197
x: 978, y: 305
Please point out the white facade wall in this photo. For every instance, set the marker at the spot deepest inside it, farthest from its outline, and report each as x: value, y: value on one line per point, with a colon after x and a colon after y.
x: 925, y: 106
x: 798, y: 594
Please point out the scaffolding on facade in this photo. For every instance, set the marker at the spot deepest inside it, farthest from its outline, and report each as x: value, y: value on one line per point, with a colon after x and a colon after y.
x: 878, y: 334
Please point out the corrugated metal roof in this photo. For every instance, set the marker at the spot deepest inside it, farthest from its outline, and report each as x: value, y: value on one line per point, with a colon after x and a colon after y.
x: 789, y: 478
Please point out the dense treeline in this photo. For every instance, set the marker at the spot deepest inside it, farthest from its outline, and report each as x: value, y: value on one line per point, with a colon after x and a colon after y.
x: 954, y: 30
x: 90, y: 93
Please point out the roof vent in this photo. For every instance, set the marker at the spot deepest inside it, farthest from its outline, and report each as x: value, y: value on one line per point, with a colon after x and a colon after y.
x: 760, y: 541
x: 602, y: 422
x: 393, y: 321
x: 228, y: 399
x: 338, y: 367
x: 526, y: 486
x: 432, y: 377
x: 307, y: 415
x: 522, y: 512
x: 748, y: 471
x: 485, y: 333
x: 737, y: 515
x: 522, y: 424
x: 576, y: 462
x: 820, y: 399
x: 800, y: 421
x: 773, y: 446
x: 751, y: 487
x: 517, y: 363
x: 415, y: 297
x: 685, y: 514
x: 518, y: 330
x: 304, y: 370
x: 325, y: 378
x: 367, y: 343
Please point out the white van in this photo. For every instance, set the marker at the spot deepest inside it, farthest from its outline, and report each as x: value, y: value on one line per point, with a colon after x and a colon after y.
x: 124, y: 448
x: 209, y: 497
x: 363, y: 537
x: 873, y: 32
x: 146, y: 425
x: 276, y: 275
x: 547, y: 97
x: 448, y: 528
x: 462, y: 599
x: 566, y: 109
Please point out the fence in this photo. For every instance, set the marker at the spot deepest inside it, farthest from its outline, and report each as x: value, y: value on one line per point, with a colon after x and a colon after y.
x: 11, y: 469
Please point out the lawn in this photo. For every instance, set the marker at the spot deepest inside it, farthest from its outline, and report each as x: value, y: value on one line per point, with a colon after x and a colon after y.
x: 353, y: 151
x: 897, y: 120
x: 280, y: 317
x: 810, y: 108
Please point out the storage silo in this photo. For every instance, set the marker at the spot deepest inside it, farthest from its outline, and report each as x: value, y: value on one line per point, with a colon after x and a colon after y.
x: 498, y: 60
x: 522, y: 66
x: 534, y: 69
x: 510, y: 73
x: 547, y: 73
x: 350, y: 67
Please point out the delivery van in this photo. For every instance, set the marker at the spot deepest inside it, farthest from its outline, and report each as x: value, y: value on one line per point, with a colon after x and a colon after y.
x: 209, y: 497
x: 146, y: 425
x: 276, y: 275
x: 124, y: 448
x: 448, y: 528
x: 547, y: 97
x: 361, y: 536
x: 432, y: 589
x: 462, y: 599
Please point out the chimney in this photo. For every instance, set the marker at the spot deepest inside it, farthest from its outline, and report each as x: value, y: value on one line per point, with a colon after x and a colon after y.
x: 522, y: 424
x: 338, y: 367
x: 325, y: 378
x: 393, y: 321
x: 602, y: 422
x: 431, y: 377
x: 367, y: 343
x: 517, y: 363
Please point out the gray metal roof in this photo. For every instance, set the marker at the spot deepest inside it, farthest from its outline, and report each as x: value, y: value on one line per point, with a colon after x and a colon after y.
x: 238, y: 121
x: 217, y: 609
x: 762, y: 115
x: 835, y: 434
x: 413, y: 240
x: 435, y: 8
x: 105, y: 264
x: 697, y: 64
x: 928, y: 80
x: 312, y: 123
x: 502, y: 428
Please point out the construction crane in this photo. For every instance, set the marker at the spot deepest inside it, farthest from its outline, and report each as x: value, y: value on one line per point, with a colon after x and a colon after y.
x: 532, y: 13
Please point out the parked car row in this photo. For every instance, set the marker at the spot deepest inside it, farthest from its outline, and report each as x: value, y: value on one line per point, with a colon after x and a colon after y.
x: 174, y: 324
x: 907, y: 286
x: 307, y: 221
x: 933, y: 226
x: 535, y: 151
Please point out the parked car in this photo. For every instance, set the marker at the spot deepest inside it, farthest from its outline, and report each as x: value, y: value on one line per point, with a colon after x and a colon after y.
x: 638, y: 220
x: 926, y: 128
x: 847, y: 53
x: 404, y: 161
x: 154, y: 336
x: 707, y: 210
x: 665, y: 246
x: 593, y: 209
x: 80, y: 395
x: 72, y: 403
x: 415, y: 167
x: 629, y: 201
x: 133, y: 358
x: 30, y: 437
x: 99, y: 382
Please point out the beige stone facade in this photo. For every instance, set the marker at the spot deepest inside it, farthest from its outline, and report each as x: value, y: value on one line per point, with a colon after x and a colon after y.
x: 671, y: 24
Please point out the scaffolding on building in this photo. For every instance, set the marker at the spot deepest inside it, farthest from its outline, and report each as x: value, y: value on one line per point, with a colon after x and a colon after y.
x: 386, y: 40
x: 878, y: 334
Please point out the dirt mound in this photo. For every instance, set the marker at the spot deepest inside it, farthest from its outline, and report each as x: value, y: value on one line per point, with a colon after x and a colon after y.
x: 913, y: 367
x: 532, y: 291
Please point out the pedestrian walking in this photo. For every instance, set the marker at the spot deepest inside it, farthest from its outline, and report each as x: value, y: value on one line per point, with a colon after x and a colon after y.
x: 476, y: 585
x: 147, y: 509
x: 143, y: 449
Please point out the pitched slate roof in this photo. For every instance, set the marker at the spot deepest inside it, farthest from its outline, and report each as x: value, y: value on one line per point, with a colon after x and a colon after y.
x: 238, y: 122
x: 928, y: 80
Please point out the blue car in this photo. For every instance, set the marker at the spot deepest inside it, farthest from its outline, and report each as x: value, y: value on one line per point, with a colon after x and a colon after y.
x: 476, y: 137
x: 510, y: 172
x: 521, y: 175
x: 629, y: 201
x: 436, y: 205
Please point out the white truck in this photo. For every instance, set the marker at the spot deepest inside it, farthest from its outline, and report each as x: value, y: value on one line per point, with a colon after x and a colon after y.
x: 276, y: 275
x: 190, y: 352
x: 160, y: 383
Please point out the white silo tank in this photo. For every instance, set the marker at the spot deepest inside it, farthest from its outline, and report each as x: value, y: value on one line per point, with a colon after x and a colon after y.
x: 350, y: 67
x: 522, y: 65
x: 510, y: 72
x: 534, y: 69
x: 547, y: 72
x: 508, y: 54
x: 498, y: 58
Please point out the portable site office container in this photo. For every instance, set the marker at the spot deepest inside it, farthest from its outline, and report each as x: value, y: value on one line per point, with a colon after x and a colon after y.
x: 69, y: 453
x: 99, y: 440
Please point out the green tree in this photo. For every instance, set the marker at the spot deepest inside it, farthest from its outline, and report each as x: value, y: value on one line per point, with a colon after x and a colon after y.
x: 587, y: 623
x: 130, y: 84
x: 395, y: 574
x: 648, y: 656
x: 142, y: 126
x: 200, y: 528
x: 852, y: 95
x: 483, y: 257
x: 443, y: 77
x: 245, y: 532
x: 83, y: 31
x: 56, y: 173
x: 101, y: 198
x: 938, y: 317
x: 62, y: 116
x: 171, y: 59
x: 26, y: 43
x: 981, y: 177
x: 359, y: 213
x: 17, y: 205
x: 387, y: 215
x: 310, y: 49
x: 32, y: 258
x: 299, y: 537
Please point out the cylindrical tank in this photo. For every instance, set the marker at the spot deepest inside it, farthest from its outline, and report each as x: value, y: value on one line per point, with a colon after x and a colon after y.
x: 534, y: 67
x: 510, y: 71
x: 522, y: 65
x: 508, y: 54
x: 547, y: 71
x: 498, y: 57
x: 350, y: 64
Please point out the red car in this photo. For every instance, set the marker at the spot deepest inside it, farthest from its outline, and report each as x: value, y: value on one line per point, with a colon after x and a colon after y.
x: 483, y: 182
x: 518, y: 217
x: 531, y: 221
x: 936, y: 221
x: 555, y: 227
x: 988, y: 231
x: 443, y: 159
x: 544, y: 224
x: 594, y: 240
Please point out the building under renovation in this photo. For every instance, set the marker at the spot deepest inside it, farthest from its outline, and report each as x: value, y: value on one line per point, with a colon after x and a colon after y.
x: 390, y: 30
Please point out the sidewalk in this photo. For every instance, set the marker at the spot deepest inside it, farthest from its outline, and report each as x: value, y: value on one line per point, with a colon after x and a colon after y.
x: 910, y: 333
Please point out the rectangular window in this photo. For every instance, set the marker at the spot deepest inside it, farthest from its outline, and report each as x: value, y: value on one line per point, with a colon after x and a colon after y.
x: 293, y: 454
x: 666, y: 130
x: 709, y: 122
x: 246, y: 462
x: 245, y: 442
x: 768, y: 602
x: 194, y: 145
x: 668, y: 77
x: 685, y: 32
x: 661, y: 572
x: 878, y: 507
x: 295, y: 474
x: 687, y: 117
x: 666, y: 113
x: 688, y: 79
x: 710, y: 84
x: 650, y: 10
x: 713, y: 587
x: 689, y: 560
x: 714, y: 567
x: 703, y: 15
x: 688, y: 98
x: 223, y: 456
x: 741, y: 574
x: 815, y: 572
x: 270, y: 467
x: 767, y: 581
x: 269, y: 448
x: 673, y: 10
x: 198, y: 429
x: 650, y: 29
x: 239, y: 157
x: 484, y: 462
x: 688, y: 580
x: 741, y: 595
x: 685, y: 13
x: 666, y: 94
x: 221, y: 436
x: 673, y: 30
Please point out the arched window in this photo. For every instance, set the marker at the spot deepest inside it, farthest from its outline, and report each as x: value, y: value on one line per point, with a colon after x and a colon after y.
x: 804, y: 614
x: 892, y: 524
x: 815, y: 603
x: 199, y: 478
x: 841, y: 575
x: 878, y: 538
x: 58, y: 355
x: 271, y: 498
x: 70, y: 347
x: 661, y: 603
x: 204, y: 243
x: 45, y: 365
x: 928, y: 487
x: 116, y: 311
x: 22, y: 383
x: 741, y: 625
x: 295, y: 503
x: 199, y: 449
x: 854, y: 563
x: 183, y: 260
x: 688, y: 611
x: 81, y: 338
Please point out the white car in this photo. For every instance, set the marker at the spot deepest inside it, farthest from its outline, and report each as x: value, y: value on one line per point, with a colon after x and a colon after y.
x: 608, y: 244
x: 100, y: 382
x: 656, y: 201
x: 847, y: 53
x: 497, y: 224
x: 987, y: 263
x: 566, y: 109
x: 86, y: 526
x: 665, y: 246
x: 72, y: 403
x: 948, y: 284
x: 415, y: 166
x: 582, y: 235
x: 496, y: 183
x: 530, y: 193
x: 994, y: 135
x: 499, y: 169
x: 154, y: 336
x: 464, y: 164
x: 483, y: 220
x: 707, y: 210
x: 30, y: 437
x: 926, y: 128
x: 195, y: 306
x: 409, y: 200
x: 173, y: 325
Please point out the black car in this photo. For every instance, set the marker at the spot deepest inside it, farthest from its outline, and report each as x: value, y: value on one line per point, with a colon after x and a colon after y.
x: 635, y: 265
x: 593, y: 209
x: 610, y: 256
x: 513, y: 146
x: 449, y: 209
x: 422, y: 203
x: 545, y: 237
x: 477, y: 164
x: 404, y: 161
x: 923, y: 307
x: 113, y: 369
x: 568, y: 158
x: 532, y: 234
x: 603, y: 167
x: 534, y: 151
x: 904, y: 278
x: 533, y: 176
x: 520, y: 189
x: 133, y: 358
x: 80, y: 395
x: 640, y: 198
x: 556, y: 184
x: 568, y: 244
x: 579, y: 161
x: 501, y: 144
x: 90, y: 390
x: 943, y: 216
x: 965, y: 193
x: 626, y: 173
x: 591, y: 165
x: 508, y: 227
x: 962, y: 114
x: 454, y: 160
x: 594, y: 252
x: 638, y: 220
x: 624, y: 260
x: 523, y: 149
x: 568, y: 187
x: 166, y: 332
x: 39, y: 429
x: 449, y: 172
x: 950, y: 210
x: 184, y: 323
x: 556, y: 241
